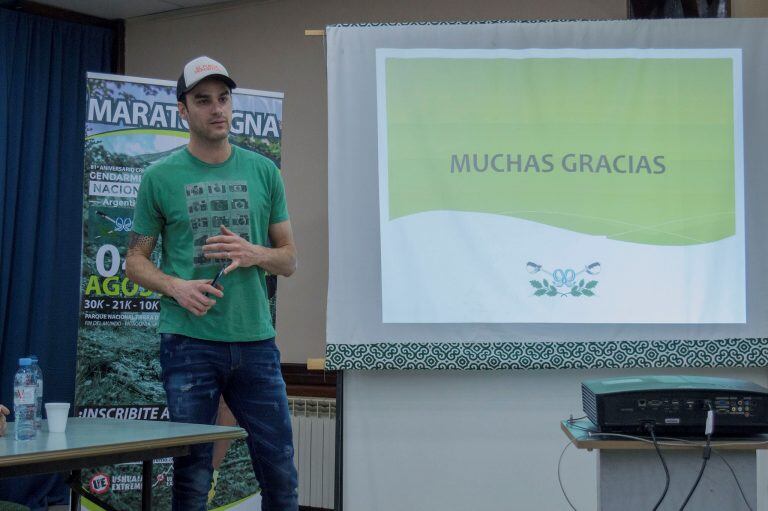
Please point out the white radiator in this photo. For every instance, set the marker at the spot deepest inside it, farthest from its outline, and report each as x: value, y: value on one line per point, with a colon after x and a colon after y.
x: 314, y: 439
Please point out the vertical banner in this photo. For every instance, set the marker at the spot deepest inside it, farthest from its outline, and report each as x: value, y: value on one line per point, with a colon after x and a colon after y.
x: 131, y: 123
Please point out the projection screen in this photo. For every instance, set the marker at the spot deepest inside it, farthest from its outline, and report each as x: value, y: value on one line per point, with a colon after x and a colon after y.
x: 546, y: 195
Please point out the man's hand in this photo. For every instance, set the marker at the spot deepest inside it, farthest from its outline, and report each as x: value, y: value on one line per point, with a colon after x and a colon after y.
x: 190, y: 294
x: 228, y: 245
x: 280, y: 259
x: 3, y: 412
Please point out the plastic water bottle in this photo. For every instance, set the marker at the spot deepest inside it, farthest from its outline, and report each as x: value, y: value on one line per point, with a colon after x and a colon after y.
x: 24, y: 387
x: 38, y: 393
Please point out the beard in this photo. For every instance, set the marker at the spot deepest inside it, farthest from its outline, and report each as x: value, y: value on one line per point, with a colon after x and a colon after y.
x: 210, y: 133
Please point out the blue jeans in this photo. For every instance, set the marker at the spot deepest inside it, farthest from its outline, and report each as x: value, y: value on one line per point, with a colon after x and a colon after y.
x: 36, y: 492
x: 195, y: 374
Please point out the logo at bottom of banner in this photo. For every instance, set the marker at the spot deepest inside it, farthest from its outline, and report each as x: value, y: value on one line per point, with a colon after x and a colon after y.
x: 99, y: 483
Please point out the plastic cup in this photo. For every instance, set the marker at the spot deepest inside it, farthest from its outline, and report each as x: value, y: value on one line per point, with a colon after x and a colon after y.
x: 53, y: 443
x: 57, y: 416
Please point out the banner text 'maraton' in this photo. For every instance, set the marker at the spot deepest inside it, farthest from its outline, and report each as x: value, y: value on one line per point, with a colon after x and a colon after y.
x: 140, y: 114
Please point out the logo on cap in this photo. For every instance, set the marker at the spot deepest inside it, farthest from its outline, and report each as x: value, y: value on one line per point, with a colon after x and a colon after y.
x: 207, y: 67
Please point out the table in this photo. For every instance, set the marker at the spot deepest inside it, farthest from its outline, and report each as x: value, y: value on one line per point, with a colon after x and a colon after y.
x: 630, y: 476
x: 95, y: 442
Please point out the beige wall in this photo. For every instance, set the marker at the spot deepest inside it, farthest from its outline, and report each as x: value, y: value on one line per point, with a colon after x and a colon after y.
x: 749, y: 8
x: 263, y: 45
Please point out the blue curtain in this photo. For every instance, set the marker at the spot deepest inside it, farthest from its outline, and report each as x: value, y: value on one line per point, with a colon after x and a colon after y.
x: 43, y: 65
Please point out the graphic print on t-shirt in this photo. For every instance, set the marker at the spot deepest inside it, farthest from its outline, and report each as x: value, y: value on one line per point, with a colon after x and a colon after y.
x: 213, y: 204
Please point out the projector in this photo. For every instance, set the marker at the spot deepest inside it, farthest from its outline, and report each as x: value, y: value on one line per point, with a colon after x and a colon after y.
x: 676, y: 405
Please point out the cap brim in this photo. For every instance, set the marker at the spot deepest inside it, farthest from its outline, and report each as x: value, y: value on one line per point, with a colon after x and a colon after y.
x: 229, y: 81
x: 224, y: 78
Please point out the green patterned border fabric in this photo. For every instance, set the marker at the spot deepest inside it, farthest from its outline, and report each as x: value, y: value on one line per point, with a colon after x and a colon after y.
x: 549, y: 355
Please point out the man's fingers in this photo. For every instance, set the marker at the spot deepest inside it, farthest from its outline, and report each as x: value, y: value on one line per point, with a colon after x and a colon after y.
x: 4, y: 410
x: 214, y: 291
x: 217, y: 242
x: 227, y: 231
x: 195, y: 308
x: 203, y: 300
x: 199, y: 309
x: 231, y: 267
x: 197, y: 303
x: 216, y: 246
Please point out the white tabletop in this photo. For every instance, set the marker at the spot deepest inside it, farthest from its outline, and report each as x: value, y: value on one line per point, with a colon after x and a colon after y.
x: 94, y: 437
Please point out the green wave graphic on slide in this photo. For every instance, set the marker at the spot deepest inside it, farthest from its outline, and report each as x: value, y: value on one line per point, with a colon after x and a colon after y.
x: 638, y: 150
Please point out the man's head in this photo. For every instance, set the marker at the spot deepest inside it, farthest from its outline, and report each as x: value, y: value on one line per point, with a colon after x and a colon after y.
x: 205, y: 102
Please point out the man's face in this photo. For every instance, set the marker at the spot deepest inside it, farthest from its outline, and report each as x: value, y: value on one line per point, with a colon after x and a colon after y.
x: 208, y: 110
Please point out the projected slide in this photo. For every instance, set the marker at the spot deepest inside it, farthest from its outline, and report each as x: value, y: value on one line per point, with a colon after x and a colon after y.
x: 561, y: 186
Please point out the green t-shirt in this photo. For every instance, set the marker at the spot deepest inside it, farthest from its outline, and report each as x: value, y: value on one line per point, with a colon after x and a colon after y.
x: 185, y: 201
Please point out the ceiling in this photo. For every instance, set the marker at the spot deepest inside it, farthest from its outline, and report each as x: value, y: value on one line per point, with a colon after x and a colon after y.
x: 122, y: 9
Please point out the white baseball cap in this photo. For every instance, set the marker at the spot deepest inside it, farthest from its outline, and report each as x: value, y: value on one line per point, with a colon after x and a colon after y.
x: 198, y: 69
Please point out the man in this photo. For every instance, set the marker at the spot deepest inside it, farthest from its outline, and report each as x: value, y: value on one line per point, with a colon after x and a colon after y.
x: 215, y: 205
